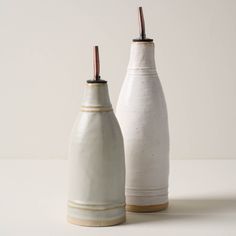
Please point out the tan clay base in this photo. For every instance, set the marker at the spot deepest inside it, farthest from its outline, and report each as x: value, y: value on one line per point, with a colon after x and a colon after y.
x: 99, y: 223
x: 149, y: 208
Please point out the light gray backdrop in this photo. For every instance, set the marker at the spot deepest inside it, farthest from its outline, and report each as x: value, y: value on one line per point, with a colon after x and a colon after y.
x: 46, y: 57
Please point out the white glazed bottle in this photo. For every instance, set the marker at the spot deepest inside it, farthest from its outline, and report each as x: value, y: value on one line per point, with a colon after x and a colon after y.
x: 142, y: 114
x: 96, y: 160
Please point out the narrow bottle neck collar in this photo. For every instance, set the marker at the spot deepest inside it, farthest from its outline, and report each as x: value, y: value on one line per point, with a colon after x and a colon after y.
x: 142, y: 55
x: 96, y: 97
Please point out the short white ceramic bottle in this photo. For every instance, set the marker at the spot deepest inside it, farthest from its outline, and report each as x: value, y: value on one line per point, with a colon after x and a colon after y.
x: 96, y: 160
x: 142, y: 114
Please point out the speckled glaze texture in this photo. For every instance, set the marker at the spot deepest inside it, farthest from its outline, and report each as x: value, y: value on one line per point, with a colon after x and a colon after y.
x: 96, y: 163
x: 142, y: 114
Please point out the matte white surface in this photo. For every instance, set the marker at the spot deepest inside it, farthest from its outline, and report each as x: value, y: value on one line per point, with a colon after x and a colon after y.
x: 46, y: 55
x: 97, y: 161
x: 203, y: 201
x: 142, y: 113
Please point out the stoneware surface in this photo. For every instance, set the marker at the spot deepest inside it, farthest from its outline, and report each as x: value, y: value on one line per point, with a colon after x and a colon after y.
x: 96, y: 163
x: 142, y: 114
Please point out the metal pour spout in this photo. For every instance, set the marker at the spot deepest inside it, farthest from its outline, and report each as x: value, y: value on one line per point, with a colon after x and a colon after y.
x: 96, y: 63
x: 142, y: 32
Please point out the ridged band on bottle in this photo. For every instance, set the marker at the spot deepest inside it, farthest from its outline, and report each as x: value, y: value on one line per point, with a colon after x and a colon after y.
x: 95, y: 214
x: 96, y: 109
x: 150, y: 196
x: 129, y: 191
x: 94, y: 207
x: 150, y: 71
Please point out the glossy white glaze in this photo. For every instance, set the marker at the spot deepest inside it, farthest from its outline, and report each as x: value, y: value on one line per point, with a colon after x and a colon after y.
x: 142, y: 114
x: 96, y: 159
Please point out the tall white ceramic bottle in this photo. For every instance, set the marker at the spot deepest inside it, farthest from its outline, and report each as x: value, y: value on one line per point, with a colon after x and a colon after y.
x: 96, y: 160
x: 142, y: 114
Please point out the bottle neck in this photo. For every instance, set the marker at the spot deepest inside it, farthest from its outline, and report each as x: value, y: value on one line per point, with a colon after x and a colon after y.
x: 142, y: 55
x: 96, y: 95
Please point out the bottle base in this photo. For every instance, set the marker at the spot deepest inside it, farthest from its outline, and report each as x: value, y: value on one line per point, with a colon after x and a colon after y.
x: 95, y: 214
x: 96, y: 223
x: 148, y: 208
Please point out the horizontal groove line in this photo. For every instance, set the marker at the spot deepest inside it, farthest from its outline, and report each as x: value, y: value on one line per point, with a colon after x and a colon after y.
x: 106, y: 107
x: 142, y: 74
x: 93, y: 207
x: 147, y: 189
x: 98, y: 109
x: 141, y: 68
x: 159, y: 195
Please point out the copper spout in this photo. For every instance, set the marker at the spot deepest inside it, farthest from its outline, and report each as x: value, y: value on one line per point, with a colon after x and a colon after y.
x: 142, y: 33
x: 96, y: 63
x: 141, y: 23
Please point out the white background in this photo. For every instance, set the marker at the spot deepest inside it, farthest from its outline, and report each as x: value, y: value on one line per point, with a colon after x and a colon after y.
x: 46, y: 57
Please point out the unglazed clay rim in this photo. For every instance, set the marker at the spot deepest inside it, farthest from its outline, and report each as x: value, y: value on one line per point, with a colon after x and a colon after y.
x: 148, y: 208
x: 96, y: 223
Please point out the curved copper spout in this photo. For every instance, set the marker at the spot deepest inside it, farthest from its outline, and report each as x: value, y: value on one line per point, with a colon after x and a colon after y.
x: 141, y: 23
x: 142, y: 33
x: 96, y: 63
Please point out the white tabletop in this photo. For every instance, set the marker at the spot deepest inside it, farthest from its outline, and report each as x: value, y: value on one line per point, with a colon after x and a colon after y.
x: 202, y: 201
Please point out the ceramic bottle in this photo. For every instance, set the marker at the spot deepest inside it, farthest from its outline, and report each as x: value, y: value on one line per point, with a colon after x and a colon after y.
x: 96, y: 160
x: 142, y: 114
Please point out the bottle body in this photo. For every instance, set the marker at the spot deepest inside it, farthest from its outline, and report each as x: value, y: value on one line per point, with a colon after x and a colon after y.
x: 96, y: 163
x: 142, y: 114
